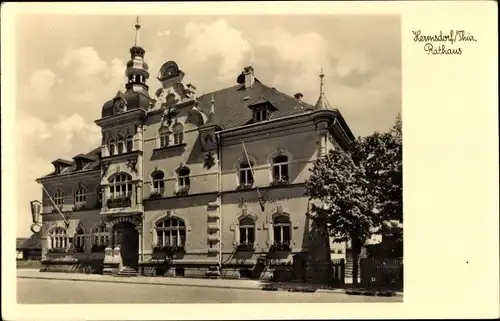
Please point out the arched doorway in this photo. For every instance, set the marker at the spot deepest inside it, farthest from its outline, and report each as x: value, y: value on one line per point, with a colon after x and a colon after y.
x: 126, y: 236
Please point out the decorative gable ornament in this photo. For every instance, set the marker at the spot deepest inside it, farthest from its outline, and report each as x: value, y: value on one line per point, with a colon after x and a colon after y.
x: 209, y: 160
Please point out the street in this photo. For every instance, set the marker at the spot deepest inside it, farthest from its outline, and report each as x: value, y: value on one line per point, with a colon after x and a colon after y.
x: 35, y: 291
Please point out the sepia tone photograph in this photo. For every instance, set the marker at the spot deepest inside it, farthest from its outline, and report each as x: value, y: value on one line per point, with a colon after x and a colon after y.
x: 209, y: 159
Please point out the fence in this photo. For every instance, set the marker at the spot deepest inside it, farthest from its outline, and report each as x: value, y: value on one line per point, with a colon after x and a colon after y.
x: 386, y: 273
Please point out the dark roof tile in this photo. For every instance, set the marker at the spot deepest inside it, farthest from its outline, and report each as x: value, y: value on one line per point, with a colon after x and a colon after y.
x: 231, y: 107
x: 95, y: 163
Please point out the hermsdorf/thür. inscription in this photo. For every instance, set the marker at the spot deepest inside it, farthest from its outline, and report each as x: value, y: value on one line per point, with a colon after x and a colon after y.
x: 435, y: 43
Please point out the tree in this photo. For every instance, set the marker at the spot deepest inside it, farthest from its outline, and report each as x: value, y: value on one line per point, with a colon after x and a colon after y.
x: 359, y: 189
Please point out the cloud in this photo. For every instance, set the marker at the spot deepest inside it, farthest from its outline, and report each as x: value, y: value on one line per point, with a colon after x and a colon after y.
x: 218, y: 41
x: 84, y: 63
x: 163, y: 33
x: 42, y: 81
x: 38, y: 144
x: 79, y: 79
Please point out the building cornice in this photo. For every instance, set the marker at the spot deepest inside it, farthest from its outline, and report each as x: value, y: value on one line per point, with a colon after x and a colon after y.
x: 68, y: 176
x: 137, y: 114
x: 122, y: 156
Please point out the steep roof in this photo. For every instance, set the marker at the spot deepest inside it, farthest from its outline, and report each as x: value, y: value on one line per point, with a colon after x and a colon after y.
x: 93, y: 155
x: 231, y: 104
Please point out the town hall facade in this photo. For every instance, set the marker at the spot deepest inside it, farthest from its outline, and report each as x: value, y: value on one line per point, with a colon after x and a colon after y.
x: 187, y: 185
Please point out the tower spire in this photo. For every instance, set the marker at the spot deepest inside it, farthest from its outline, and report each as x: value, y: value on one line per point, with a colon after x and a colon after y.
x: 137, y: 29
x: 137, y: 69
x: 322, y: 100
x: 321, y: 76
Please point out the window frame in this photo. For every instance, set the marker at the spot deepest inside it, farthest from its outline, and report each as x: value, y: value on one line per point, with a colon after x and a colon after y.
x: 164, y: 137
x: 115, y: 183
x: 245, y: 169
x: 167, y: 232
x: 112, y: 147
x: 100, y: 236
x: 246, y: 228
x: 281, y: 226
x: 59, y: 196
x: 178, y: 132
x: 184, y: 180
x: 81, y: 194
x: 280, y: 167
x: 120, y: 145
x: 157, y: 183
x: 129, y: 143
x: 59, y: 238
x: 261, y: 114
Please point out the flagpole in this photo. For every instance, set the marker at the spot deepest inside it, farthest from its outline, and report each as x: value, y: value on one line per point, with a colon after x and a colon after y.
x: 57, y: 207
x: 253, y: 174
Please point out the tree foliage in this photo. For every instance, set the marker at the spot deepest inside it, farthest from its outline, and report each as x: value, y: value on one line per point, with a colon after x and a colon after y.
x: 360, y: 188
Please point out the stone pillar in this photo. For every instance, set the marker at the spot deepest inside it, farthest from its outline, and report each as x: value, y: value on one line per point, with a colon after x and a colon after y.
x: 141, y: 242
x: 105, y: 195
x: 138, y: 193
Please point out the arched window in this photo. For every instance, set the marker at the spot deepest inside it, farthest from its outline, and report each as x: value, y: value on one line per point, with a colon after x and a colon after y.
x: 164, y: 137
x: 247, y: 230
x: 158, y: 183
x: 58, y: 239
x: 281, y: 228
x: 184, y: 180
x: 100, y: 238
x: 120, y: 145
x: 121, y: 186
x: 130, y: 143
x: 280, y: 169
x: 79, y: 239
x: 171, y: 232
x: 246, y: 176
x: 112, y: 147
x: 59, y: 197
x: 80, y: 196
x: 178, y: 134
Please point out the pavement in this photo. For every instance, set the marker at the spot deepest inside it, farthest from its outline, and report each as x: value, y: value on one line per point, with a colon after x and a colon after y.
x: 54, y: 291
x: 194, y: 282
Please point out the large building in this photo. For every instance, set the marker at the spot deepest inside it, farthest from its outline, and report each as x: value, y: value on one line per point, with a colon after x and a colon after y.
x: 187, y: 185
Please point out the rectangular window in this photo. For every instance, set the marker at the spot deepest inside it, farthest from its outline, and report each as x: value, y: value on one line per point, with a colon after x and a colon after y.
x: 260, y: 115
x: 246, y: 176
x: 164, y: 140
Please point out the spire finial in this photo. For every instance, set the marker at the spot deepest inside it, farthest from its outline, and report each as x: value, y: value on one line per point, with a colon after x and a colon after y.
x: 321, y: 76
x: 137, y: 27
x: 212, y: 106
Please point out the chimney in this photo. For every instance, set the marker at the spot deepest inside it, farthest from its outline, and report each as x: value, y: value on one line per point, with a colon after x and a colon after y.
x: 299, y: 96
x: 249, y: 76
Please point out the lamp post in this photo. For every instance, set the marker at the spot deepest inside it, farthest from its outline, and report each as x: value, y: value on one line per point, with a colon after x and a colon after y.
x: 36, y: 207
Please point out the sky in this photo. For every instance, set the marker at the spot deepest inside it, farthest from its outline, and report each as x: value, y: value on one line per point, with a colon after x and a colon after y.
x: 68, y: 66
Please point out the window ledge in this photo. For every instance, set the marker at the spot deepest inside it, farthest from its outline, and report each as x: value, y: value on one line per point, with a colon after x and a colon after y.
x: 171, y: 147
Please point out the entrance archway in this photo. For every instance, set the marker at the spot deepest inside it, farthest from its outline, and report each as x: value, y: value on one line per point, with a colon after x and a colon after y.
x: 126, y: 236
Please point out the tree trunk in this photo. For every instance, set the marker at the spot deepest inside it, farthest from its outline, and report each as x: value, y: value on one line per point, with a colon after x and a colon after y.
x: 356, y: 251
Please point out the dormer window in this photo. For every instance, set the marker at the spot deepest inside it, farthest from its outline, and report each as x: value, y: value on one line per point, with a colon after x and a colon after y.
x: 262, y: 110
x: 82, y: 161
x: 260, y: 114
x: 61, y: 165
